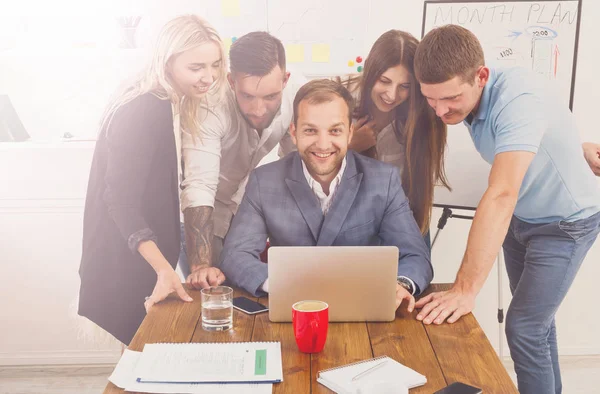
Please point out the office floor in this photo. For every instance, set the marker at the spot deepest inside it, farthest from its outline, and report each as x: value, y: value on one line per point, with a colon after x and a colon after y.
x: 54, y: 380
x: 581, y: 375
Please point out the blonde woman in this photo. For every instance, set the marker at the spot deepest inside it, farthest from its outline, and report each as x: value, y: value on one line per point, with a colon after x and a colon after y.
x: 131, y: 231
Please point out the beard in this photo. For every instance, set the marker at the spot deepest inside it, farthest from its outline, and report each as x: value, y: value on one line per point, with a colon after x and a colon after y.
x: 331, y: 166
x: 265, y: 122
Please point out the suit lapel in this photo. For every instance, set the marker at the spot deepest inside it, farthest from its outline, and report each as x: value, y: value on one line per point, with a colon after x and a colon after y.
x: 342, y: 202
x: 305, y: 198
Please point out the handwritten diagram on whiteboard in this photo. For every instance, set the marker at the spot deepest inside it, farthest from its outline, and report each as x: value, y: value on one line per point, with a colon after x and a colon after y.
x: 540, y: 35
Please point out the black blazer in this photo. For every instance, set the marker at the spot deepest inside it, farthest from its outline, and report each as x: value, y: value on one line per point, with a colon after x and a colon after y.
x: 132, y: 195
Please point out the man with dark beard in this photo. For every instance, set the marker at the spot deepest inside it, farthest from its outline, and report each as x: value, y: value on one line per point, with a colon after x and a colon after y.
x: 236, y: 135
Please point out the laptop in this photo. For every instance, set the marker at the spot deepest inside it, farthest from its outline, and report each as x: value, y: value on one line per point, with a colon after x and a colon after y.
x: 358, y: 282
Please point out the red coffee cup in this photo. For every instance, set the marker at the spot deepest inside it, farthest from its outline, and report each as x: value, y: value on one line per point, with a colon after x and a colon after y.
x: 310, y: 320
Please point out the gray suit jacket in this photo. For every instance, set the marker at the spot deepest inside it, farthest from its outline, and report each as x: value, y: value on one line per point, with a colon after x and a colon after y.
x: 369, y: 208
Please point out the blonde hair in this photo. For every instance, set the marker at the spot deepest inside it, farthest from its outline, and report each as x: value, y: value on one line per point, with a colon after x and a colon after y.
x: 178, y: 35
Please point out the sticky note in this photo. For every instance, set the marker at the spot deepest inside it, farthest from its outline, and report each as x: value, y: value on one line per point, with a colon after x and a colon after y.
x: 294, y: 53
x: 230, y: 7
x: 260, y: 362
x: 320, y: 53
x: 350, y: 63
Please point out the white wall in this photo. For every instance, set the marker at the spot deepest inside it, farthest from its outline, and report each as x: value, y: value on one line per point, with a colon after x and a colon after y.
x: 41, y: 209
x: 41, y: 217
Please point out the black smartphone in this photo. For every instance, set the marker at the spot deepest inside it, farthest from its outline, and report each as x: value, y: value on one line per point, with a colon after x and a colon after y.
x: 248, y: 306
x: 459, y: 388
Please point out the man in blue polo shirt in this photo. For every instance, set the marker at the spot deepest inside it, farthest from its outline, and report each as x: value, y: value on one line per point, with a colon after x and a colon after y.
x: 542, y: 203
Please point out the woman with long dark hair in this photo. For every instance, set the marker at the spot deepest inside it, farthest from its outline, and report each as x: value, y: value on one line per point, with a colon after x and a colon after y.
x: 395, y: 124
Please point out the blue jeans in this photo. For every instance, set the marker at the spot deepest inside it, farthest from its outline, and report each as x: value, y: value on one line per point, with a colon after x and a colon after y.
x: 542, y: 261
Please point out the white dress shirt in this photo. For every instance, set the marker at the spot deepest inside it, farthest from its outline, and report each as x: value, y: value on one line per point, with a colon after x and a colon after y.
x: 216, y: 168
x: 324, y: 199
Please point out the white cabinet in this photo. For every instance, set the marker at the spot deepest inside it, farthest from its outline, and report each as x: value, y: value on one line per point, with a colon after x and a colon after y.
x: 42, y: 195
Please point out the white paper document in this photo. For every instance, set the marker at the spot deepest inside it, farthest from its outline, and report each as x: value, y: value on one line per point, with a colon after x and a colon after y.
x: 358, y: 377
x: 124, y: 377
x: 242, y: 362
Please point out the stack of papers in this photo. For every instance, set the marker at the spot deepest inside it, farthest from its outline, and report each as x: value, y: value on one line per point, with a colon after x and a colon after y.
x: 219, y: 368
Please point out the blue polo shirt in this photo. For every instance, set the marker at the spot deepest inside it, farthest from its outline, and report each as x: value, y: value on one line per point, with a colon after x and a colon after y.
x: 519, y: 112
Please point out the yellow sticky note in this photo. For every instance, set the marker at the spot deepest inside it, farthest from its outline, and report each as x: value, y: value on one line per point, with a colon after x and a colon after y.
x: 294, y: 53
x: 227, y: 44
x: 230, y: 7
x: 320, y: 53
x: 351, y: 63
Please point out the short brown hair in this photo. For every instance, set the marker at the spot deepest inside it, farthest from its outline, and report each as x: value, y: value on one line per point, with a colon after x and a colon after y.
x: 447, y: 52
x: 320, y: 91
x: 256, y: 54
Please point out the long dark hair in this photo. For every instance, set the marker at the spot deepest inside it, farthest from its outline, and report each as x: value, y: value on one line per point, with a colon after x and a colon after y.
x: 425, y: 133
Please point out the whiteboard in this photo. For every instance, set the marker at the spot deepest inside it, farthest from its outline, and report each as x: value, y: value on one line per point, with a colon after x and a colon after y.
x: 538, y: 35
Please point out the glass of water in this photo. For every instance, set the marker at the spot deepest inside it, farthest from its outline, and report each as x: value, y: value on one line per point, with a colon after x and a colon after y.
x: 217, y: 308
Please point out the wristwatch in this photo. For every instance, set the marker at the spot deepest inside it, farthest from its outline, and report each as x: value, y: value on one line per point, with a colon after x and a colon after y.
x: 404, y: 282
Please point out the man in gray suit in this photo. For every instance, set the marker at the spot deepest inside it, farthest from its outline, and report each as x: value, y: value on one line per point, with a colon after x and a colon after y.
x: 324, y: 195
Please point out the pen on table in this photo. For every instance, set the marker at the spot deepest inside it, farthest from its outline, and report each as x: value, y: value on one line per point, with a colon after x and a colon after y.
x: 367, y: 371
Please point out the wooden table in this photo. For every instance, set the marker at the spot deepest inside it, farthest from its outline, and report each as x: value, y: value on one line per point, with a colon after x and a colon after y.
x: 444, y: 354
